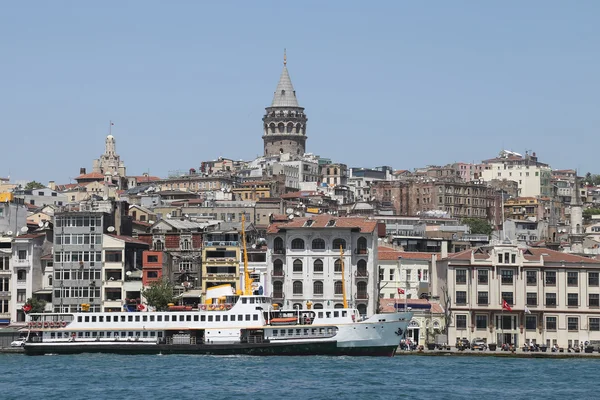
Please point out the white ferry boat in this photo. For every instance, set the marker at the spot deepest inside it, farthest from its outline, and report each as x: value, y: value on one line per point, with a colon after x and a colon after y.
x: 241, y: 325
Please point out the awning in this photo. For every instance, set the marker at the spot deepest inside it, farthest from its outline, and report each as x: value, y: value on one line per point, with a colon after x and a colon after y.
x: 190, y: 294
x: 43, y: 292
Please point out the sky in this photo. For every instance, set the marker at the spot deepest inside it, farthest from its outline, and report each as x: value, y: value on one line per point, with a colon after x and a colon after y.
x: 397, y: 83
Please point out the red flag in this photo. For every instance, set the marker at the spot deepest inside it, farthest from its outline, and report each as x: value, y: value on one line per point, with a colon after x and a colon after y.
x: 27, y: 308
x: 505, y: 305
x: 400, y: 291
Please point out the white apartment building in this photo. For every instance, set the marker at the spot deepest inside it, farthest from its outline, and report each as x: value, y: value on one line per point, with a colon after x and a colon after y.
x: 561, y: 292
x: 304, y: 262
x: 408, y: 271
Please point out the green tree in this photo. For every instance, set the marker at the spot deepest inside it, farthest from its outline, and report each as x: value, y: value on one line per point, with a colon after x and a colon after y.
x: 37, y: 305
x: 478, y: 226
x: 588, y: 212
x: 159, y: 294
x: 33, y: 185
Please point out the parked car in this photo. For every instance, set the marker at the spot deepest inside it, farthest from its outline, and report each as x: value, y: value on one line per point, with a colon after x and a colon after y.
x: 17, y: 343
x: 478, y: 344
x: 462, y: 344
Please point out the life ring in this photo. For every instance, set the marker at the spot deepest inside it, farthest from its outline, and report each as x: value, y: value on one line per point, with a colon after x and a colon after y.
x: 51, y: 324
x: 307, y: 320
x: 211, y: 306
x: 228, y: 306
x: 140, y: 307
x: 39, y: 324
x: 45, y: 324
x: 222, y: 307
x: 64, y: 324
x: 203, y: 307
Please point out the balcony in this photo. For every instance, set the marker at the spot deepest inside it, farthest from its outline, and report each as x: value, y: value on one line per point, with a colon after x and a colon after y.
x: 278, y: 295
x: 361, y: 251
x: 20, y: 262
x: 361, y: 296
x: 361, y: 274
x: 279, y: 251
x: 278, y: 274
x: 220, y: 277
x: 225, y: 243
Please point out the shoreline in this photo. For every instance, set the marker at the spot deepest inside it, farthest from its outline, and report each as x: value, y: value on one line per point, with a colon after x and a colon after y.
x: 497, y: 353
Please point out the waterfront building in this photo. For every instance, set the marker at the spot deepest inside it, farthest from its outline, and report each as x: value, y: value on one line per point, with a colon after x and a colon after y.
x: 305, y: 265
x: 5, y: 279
x: 554, y: 296
x: 221, y: 259
x: 406, y: 272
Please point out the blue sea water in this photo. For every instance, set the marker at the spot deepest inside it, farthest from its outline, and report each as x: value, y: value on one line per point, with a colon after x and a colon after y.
x: 102, y: 376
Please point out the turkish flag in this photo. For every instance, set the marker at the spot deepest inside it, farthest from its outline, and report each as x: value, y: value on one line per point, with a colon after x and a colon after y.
x: 505, y: 305
x: 27, y: 308
x: 400, y: 291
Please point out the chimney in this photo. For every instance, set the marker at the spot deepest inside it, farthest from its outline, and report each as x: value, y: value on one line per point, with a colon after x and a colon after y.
x: 51, y: 185
x: 81, y: 171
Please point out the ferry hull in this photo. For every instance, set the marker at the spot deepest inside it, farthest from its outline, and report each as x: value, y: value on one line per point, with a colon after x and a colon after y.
x: 323, y: 348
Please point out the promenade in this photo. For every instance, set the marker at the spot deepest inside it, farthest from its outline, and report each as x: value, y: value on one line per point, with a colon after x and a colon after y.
x: 497, y: 353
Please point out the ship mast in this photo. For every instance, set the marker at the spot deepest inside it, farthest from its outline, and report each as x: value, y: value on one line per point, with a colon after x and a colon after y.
x: 247, y: 279
x: 345, y: 300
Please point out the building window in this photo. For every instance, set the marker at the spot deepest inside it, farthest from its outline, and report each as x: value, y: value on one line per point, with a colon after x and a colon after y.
x: 297, y: 287
x: 185, y: 266
x: 482, y: 276
x: 572, y: 299
x: 594, y: 299
x: 550, y: 278
x: 508, y: 297
x: 297, y: 265
x: 22, y: 254
x: 337, y: 287
x: 21, y: 294
x: 532, y: 299
x: 481, y: 321
x: 461, y: 276
x: 113, y: 256
x: 318, y: 287
x: 461, y: 297
x: 361, y: 268
x: 277, y: 268
x: 318, y: 266
x: 337, y: 265
x: 530, y: 322
x: 573, y: 324
x: 594, y: 324
x: 461, y: 321
x: 278, y: 244
x: 482, y: 298
x: 551, y: 299
x: 158, y: 245
x: 531, y: 278
x: 572, y: 278
x: 337, y: 243
x: 550, y: 323
x: 21, y: 275
x: 593, y: 279
x: 507, y: 276
x: 318, y: 244
x: 297, y: 244
x: 361, y: 245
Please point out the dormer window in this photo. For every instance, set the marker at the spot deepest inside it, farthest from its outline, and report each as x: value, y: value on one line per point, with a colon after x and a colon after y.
x: 283, y: 92
x: 331, y: 222
x: 308, y: 223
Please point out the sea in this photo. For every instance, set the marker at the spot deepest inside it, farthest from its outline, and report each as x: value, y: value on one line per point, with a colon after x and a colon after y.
x: 103, y: 376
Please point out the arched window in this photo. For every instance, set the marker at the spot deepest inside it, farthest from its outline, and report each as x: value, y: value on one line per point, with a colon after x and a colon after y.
x: 338, y: 305
x: 185, y: 245
x: 289, y: 128
x: 318, y: 287
x: 278, y: 245
x: 297, y: 287
x: 298, y: 244
x: 272, y: 126
x: 318, y: 266
x: 361, y: 245
x: 297, y: 305
x: 362, y: 309
x: 318, y: 244
x: 50, y: 281
x: 361, y: 290
x: 281, y: 127
x: 339, y: 242
x: 361, y: 268
x: 297, y: 266
x: 158, y: 245
x: 337, y: 266
x: 277, y: 268
x: 337, y: 287
x: 318, y: 306
x: 298, y: 128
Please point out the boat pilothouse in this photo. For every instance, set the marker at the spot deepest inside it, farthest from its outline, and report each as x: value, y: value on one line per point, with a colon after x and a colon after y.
x: 228, y: 322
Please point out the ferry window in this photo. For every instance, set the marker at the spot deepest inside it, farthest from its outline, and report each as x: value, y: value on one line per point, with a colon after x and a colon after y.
x: 210, y: 318
x: 80, y: 334
x: 101, y: 318
x: 344, y: 313
x: 130, y: 334
x: 225, y: 318
x: 145, y: 334
x: 87, y: 334
x: 320, y: 314
x: 252, y: 300
x: 93, y: 318
x: 328, y: 313
x: 321, y: 331
x: 59, y: 335
x: 158, y: 318
x: 217, y: 318
x: 137, y: 334
x: 87, y: 318
x: 195, y: 318
x: 290, y: 332
x: 160, y: 334
x: 137, y: 318
x: 94, y: 334
x: 152, y: 334
x: 203, y: 318
x: 255, y: 317
x: 275, y: 332
x: 298, y: 331
x: 329, y: 331
x: 53, y: 335
x: 130, y: 318
x: 240, y: 317
x: 166, y: 318
x: 79, y: 319
x: 188, y: 317
x: 306, y: 332
x: 244, y: 300
x: 123, y: 334
x: 152, y: 318
x: 101, y: 334
x: 107, y: 334
x: 145, y: 318
x: 107, y: 318
x: 313, y: 331
x: 182, y: 318
x: 122, y: 318
x: 283, y: 332
x: 247, y: 317
x: 336, y: 314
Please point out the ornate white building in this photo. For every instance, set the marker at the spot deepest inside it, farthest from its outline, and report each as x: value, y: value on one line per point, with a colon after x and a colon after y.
x: 304, y: 262
x: 110, y: 163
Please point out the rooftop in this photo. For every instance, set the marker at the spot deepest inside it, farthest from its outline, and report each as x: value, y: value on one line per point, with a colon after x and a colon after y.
x: 326, y: 221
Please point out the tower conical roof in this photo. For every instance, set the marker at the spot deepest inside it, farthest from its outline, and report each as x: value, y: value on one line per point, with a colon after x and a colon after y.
x: 285, y: 95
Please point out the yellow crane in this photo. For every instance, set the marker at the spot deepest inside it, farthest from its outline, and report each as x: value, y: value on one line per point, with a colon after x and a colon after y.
x: 345, y: 300
x: 247, y: 280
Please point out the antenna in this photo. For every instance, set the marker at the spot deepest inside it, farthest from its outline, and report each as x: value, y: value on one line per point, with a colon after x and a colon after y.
x: 110, y: 229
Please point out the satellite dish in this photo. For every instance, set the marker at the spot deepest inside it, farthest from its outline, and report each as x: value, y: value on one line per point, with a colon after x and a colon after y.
x: 289, y: 211
x: 291, y: 216
x: 41, y: 224
x: 105, y: 198
x: 110, y: 229
x: 187, y: 215
x: 9, y: 233
x: 253, y: 246
x: 169, y: 215
x: 150, y: 221
x: 24, y: 229
x: 128, y: 273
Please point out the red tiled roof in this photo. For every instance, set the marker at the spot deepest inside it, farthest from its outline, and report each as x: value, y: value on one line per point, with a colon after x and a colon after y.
x: 31, y: 236
x: 530, y: 254
x: 128, y: 239
x: 387, y: 254
x: 143, y: 178
x: 91, y: 175
x: 142, y: 223
x: 321, y: 221
x: 46, y: 257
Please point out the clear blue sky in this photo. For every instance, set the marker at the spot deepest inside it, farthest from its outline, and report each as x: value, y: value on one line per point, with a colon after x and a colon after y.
x: 394, y: 83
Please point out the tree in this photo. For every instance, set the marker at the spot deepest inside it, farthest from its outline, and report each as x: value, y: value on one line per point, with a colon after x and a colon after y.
x: 446, y: 303
x: 33, y: 185
x: 478, y: 226
x: 588, y: 212
x: 34, y: 305
x: 159, y: 294
x: 379, y: 287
